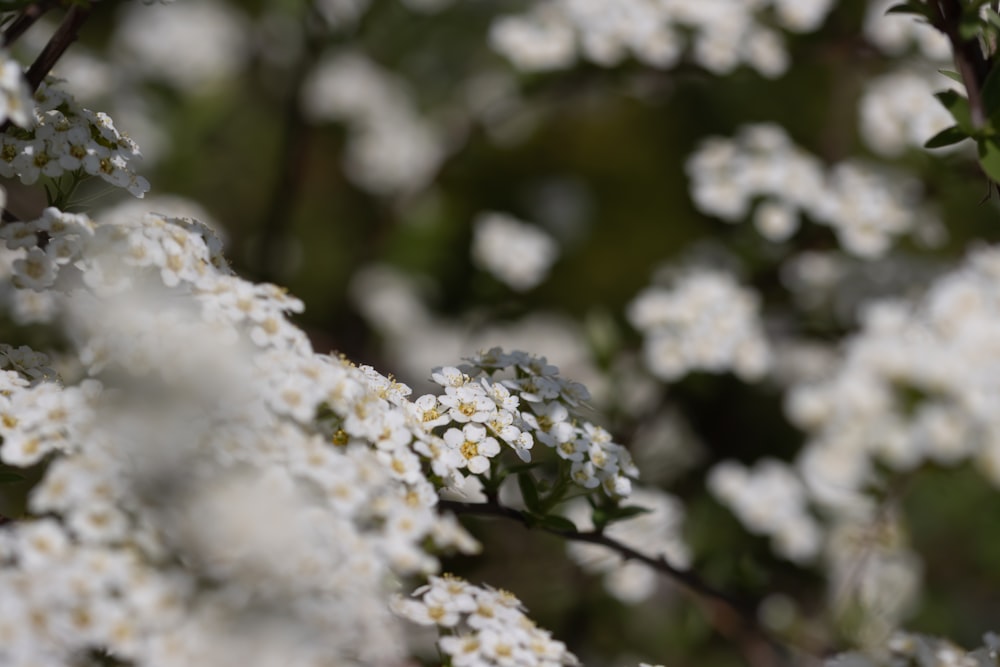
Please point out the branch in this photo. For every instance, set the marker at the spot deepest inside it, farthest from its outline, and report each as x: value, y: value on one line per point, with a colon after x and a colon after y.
x: 63, y: 37
x: 27, y: 18
x: 291, y: 160
x: 970, y: 62
x: 731, y: 608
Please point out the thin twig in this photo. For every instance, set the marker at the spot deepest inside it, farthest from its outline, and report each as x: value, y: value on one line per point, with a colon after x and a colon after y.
x: 27, y: 18
x: 725, y: 607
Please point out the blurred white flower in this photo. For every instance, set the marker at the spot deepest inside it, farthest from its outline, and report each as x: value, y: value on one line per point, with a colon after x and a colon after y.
x: 515, y: 252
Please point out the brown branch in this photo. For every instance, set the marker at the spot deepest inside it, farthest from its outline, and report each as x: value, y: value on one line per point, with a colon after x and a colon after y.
x: 61, y: 40
x: 65, y: 35
x: 733, y: 617
x: 970, y: 62
x: 291, y: 160
x: 27, y: 18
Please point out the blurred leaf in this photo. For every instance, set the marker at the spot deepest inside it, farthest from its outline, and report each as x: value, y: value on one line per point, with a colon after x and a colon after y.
x: 954, y: 76
x: 7, y: 477
x: 529, y: 492
x: 970, y: 26
x: 946, y: 137
x: 989, y: 158
x: 991, y: 92
x: 958, y: 107
x: 554, y: 522
x: 916, y: 7
x: 992, y: 17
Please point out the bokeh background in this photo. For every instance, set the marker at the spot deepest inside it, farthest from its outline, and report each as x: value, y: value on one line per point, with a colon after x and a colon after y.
x: 347, y: 149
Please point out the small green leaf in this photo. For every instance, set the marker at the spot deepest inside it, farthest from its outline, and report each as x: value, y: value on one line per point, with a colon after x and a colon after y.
x: 989, y: 159
x: 628, y: 511
x: 970, y: 26
x: 528, y: 491
x: 958, y: 107
x: 10, y: 477
x: 911, y: 7
x: 946, y: 137
x: 954, y: 76
x: 555, y: 522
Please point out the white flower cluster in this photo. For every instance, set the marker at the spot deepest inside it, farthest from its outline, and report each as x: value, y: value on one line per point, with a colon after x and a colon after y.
x: 657, y: 532
x: 895, y: 34
x: 898, y: 111
x: 918, y: 383
x: 519, y: 399
x: 392, y: 148
x: 189, y: 45
x: 218, y: 492
x: 65, y: 137
x: 723, y: 34
x: 343, y: 14
x: 866, y: 206
x: 922, y: 651
x: 770, y: 499
x: 484, y: 626
x: 15, y: 95
x: 871, y: 568
x: 705, y: 322
x: 515, y: 252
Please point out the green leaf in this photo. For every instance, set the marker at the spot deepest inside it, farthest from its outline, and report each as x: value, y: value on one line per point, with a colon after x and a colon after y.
x: 958, y: 107
x: 970, y: 26
x: 991, y: 92
x: 989, y: 158
x: 954, y: 76
x: 911, y: 7
x: 528, y: 491
x: 627, y: 512
x: 992, y: 17
x: 555, y: 522
x: 946, y: 137
x: 7, y: 477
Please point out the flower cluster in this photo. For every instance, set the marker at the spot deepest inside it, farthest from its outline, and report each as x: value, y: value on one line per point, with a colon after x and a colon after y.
x: 723, y: 35
x: 895, y: 34
x: 771, y: 500
x: 391, y: 148
x: 866, y: 206
x: 706, y: 322
x: 916, y: 384
x: 924, y: 651
x: 198, y: 455
x: 518, y: 254
x: 520, y: 400
x: 898, y: 111
x: 483, y: 626
x: 65, y: 138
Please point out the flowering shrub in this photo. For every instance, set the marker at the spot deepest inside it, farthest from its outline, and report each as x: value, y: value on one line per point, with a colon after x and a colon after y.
x: 785, y: 426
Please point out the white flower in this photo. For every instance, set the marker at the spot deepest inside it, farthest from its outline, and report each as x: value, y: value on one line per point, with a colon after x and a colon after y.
x: 15, y: 96
x: 516, y: 253
x: 474, y: 446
